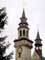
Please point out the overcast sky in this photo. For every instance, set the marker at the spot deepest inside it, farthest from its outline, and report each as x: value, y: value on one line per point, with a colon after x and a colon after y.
x: 35, y: 12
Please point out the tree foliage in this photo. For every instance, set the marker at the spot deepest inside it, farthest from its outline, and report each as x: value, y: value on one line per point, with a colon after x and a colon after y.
x: 3, y: 21
x: 3, y: 18
x: 2, y: 51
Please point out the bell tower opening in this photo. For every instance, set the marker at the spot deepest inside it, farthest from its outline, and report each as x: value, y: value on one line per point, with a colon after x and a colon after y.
x: 23, y: 32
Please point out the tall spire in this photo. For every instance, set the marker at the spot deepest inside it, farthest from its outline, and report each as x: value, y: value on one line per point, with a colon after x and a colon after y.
x: 23, y: 18
x: 23, y: 25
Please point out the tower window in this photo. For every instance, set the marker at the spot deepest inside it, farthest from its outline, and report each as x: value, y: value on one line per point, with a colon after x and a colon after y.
x: 27, y: 33
x: 20, y: 32
x: 23, y: 32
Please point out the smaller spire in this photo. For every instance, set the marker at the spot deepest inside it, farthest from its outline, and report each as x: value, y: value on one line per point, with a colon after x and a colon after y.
x: 38, y: 44
x: 38, y: 39
x: 38, y: 35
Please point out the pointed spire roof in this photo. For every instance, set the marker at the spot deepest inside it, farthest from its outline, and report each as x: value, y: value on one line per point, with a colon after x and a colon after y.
x: 23, y: 18
x: 38, y: 40
x: 38, y: 35
x: 23, y: 14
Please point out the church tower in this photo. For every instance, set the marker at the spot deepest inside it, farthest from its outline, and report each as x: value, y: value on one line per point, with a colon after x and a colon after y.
x: 38, y: 45
x: 23, y: 45
x: 38, y: 48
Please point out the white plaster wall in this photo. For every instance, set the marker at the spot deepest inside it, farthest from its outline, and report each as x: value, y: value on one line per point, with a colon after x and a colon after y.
x: 26, y: 54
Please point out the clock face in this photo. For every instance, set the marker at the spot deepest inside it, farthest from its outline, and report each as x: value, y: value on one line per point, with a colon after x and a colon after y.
x: 19, y: 50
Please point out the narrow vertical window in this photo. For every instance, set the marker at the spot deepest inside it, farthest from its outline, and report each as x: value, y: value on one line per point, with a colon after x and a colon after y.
x: 20, y: 32
x: 27, y: 33
x: 23, y: 32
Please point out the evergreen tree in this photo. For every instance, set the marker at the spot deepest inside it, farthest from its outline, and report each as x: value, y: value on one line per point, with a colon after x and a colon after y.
x: 3, y: 21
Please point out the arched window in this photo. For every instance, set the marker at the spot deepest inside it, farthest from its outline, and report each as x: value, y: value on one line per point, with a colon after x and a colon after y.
x: 23, y: 32
x: 20, y: 32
